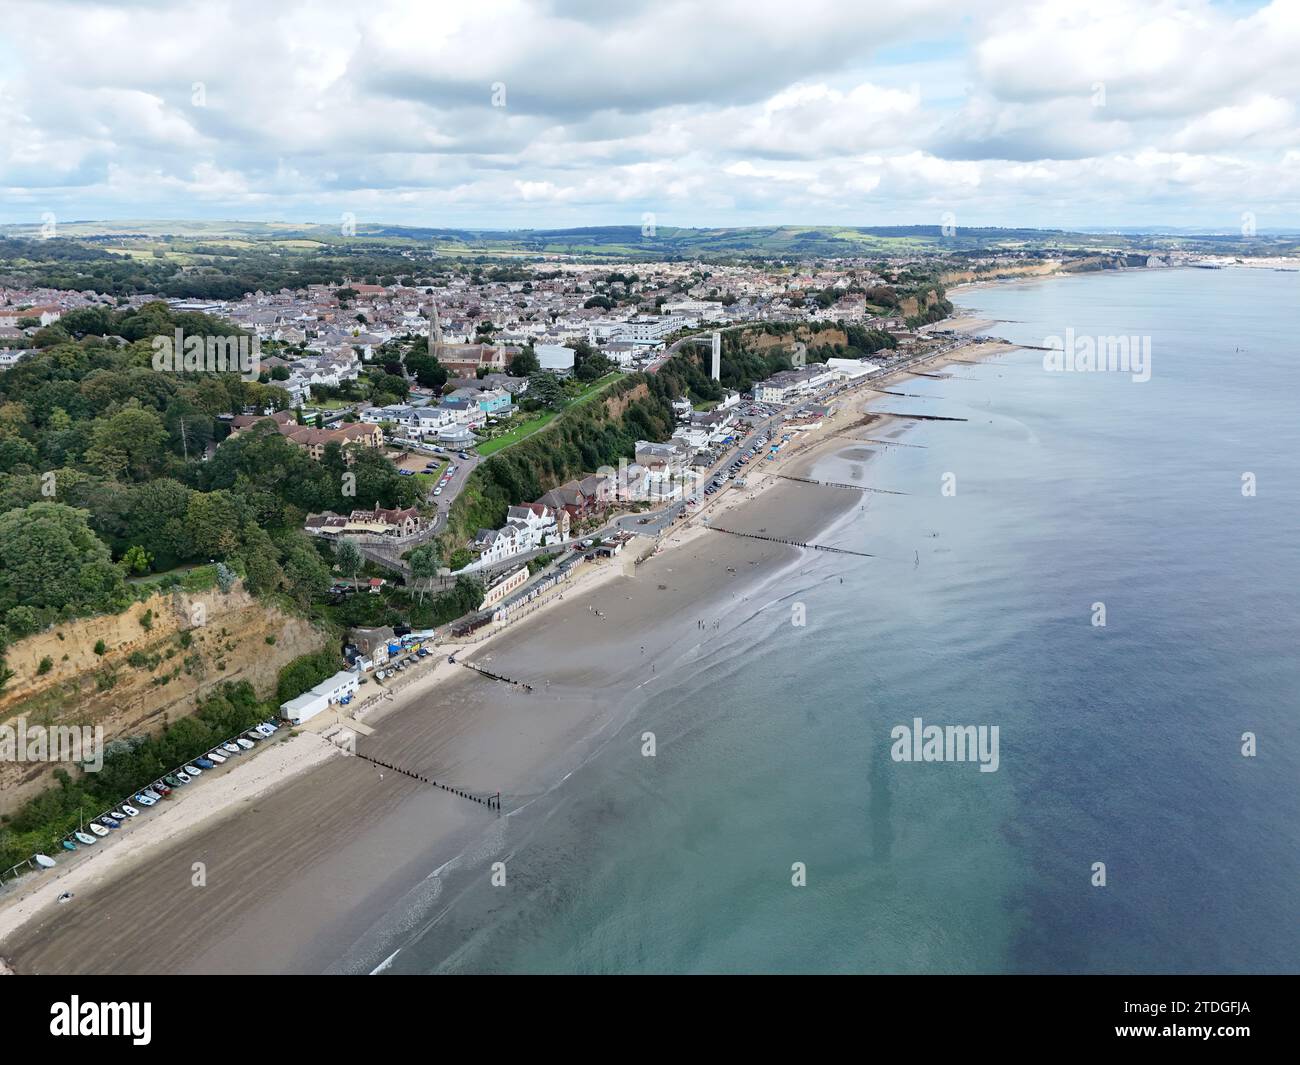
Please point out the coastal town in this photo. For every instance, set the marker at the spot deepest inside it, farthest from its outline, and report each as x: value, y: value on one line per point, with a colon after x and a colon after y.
x: 480, y: 350
x: 432, y: 379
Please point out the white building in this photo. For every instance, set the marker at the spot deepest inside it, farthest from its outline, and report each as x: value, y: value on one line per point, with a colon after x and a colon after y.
x: 555, y: 357
x: 851, y: 369
x: 327, y: 693
x: 528, y: 526
x: 789, y: 385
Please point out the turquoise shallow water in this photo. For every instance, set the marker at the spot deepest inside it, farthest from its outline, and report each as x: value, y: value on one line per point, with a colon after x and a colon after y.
x: 1118, y: 744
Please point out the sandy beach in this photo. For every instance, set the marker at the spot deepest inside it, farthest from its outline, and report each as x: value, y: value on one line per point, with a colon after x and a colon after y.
x: 286, y: 864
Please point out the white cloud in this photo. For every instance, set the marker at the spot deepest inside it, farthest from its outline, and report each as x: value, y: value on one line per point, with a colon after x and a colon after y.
x: 734, y: 112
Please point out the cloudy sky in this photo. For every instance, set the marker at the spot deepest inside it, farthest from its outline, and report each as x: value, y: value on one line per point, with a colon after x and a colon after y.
x: 500, y: 113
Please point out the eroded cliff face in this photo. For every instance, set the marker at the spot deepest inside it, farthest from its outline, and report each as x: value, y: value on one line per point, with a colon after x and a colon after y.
x: 616, y: 405
x: 760, y: 341
x: 1031, y: 269
x: 158, y: 658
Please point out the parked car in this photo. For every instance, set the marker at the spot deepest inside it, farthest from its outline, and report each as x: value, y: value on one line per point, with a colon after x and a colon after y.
x: 438, y: 491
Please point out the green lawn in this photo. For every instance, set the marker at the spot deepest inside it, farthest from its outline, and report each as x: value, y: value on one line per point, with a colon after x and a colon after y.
x: 513, y: 436
x: 526, y: 429
x: 429, y: 481
x: 192, y: 578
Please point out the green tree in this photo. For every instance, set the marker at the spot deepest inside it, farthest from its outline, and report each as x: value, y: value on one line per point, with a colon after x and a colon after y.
x: 305, y: 574
x: 525, y: 363
x: 424, y: 564
x: 137, y: 560
x: 50, y: 557
x: 127, y: 444
x: 349, y: 559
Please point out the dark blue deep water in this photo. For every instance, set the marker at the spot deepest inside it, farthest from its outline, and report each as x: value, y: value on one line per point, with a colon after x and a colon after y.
x: 1118, y: 744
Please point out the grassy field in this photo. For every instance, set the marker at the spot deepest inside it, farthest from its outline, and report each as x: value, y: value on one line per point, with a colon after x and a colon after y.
x: 429, y: 481
x: 513, y: 436
x: 526, y: 429
x: 192, y: 578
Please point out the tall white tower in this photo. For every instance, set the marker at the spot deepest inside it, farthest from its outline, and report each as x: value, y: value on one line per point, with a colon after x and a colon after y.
x: 717, y: 356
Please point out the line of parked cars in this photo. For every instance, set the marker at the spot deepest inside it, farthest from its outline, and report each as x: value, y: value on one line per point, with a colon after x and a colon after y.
x: 400, y: 664
x: 733, y: 471
x: 444, y: 480
x: 162, y: 788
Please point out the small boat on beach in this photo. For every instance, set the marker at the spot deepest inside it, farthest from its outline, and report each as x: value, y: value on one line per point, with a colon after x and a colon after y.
x: 45, y: 861
x: 98, y: 829
x: 84, y: 839
x: 68, y: 845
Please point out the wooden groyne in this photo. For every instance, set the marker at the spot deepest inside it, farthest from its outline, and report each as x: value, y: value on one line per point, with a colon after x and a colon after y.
x: 497, y: 676
x: 492, y: 802
x: 877, y: 440
x: 790, y: 543
x: 919, y: 417
x: 837, y: 484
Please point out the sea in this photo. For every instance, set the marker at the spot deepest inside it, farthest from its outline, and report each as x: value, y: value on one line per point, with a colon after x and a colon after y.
x: 1103, y: 568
